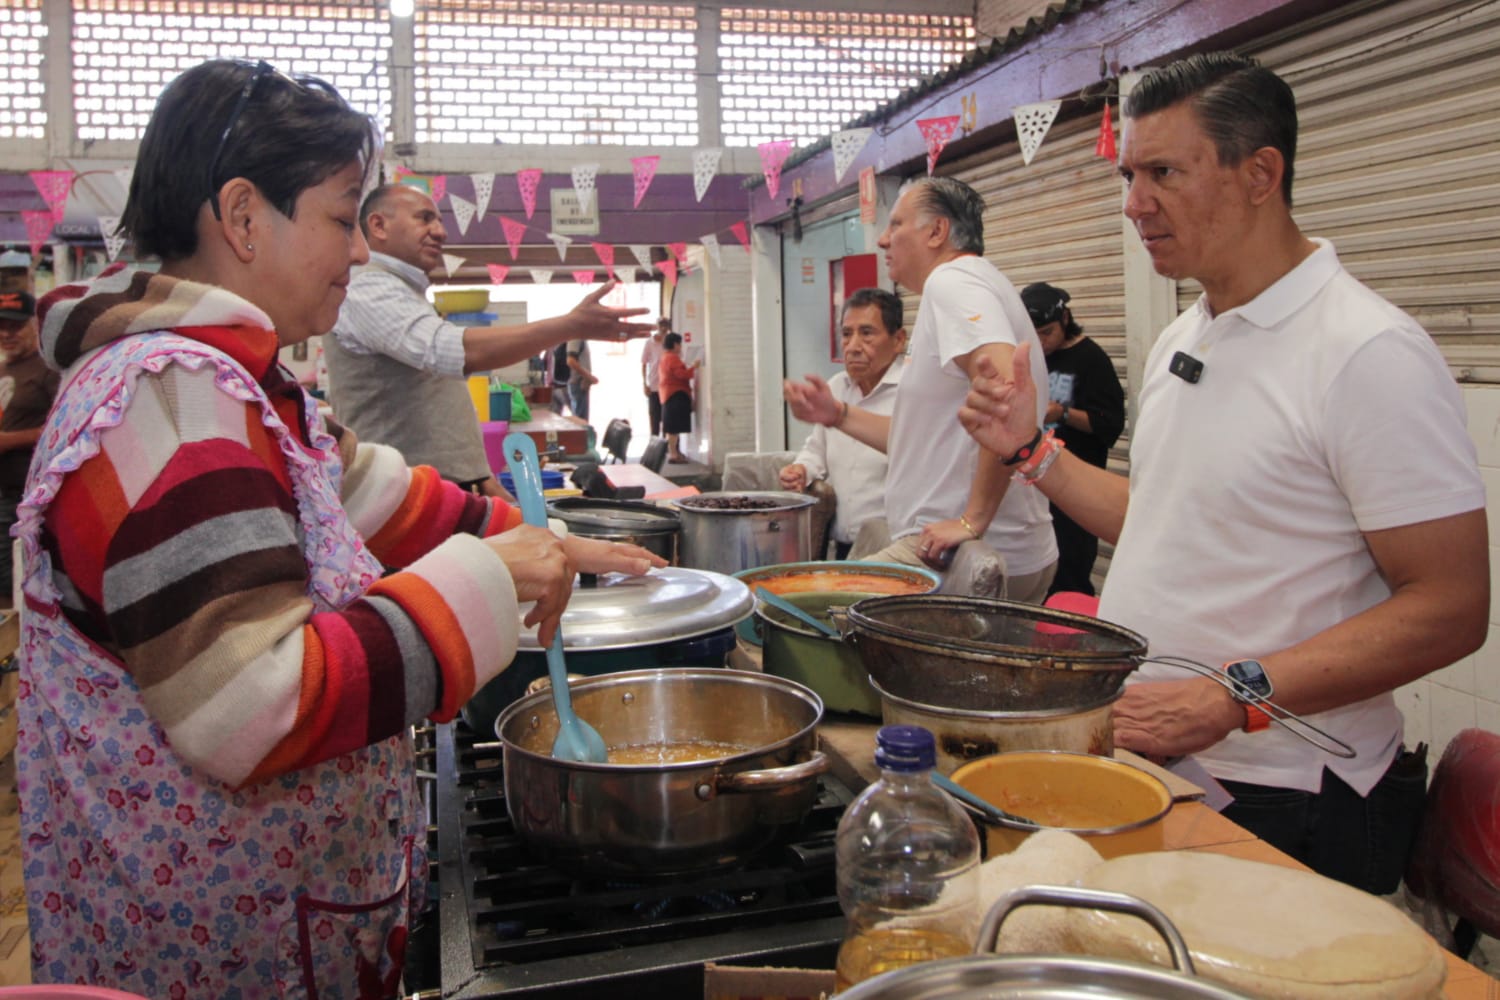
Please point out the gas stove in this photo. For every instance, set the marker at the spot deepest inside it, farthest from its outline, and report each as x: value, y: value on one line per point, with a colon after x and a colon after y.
x: 513, y: 926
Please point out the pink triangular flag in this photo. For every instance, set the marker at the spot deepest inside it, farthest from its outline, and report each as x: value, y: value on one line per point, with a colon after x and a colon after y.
x: 54, y: 186
x: 497, y: 273
x: 936, y: 132
x: 439, y: 186
x: 644, y: 168
x: 1105, y: 145
x: 38, y: 228
x: 528, y: 181
x: 606, y: 257
x: 669, y: 268
x: 679, y: 250
x: 513, y: 232
x: 584, y: 277
x: 742, y: 234
x: 772, y: 156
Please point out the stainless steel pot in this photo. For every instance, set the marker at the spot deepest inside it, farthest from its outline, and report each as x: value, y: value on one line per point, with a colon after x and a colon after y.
x: 731, y: 539
x: 987, y: 976
x: 651, y: 527
x: 633, y: 820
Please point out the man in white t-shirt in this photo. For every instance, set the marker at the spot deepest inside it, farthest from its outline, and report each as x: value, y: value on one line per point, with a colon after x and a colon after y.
x: 1304, y: 505
x: 874, y: 341
x: 942, y: 489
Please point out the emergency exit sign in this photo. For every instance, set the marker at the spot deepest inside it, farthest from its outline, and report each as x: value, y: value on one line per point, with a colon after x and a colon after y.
x: 568, y: 215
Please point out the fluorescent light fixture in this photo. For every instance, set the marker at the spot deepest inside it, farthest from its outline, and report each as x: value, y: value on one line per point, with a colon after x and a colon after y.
x: 402, y: 8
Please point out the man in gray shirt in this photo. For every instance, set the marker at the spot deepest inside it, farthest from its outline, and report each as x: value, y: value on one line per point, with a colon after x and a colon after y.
x: 396, y: 368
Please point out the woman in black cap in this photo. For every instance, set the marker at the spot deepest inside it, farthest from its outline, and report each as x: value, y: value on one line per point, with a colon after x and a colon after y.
x: 1087, y: 410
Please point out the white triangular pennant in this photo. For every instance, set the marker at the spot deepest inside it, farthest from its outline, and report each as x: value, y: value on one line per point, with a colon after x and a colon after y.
x: 484, y: 186
x: 463, y: 212
x: 1032, y: 123
x: 112, y: 244
x: 846, y: 146
x: 541, y: 275
x: 583, y: 184
x: 124, y: 176
x: 711, y: 244
x: 642, y: 253
x: 562, y: 243
x: 705, y: 169
x: 452, y: 263
x: 626, y: 275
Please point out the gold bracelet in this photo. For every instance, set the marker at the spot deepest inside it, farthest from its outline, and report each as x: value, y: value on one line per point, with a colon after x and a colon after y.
x: 963, y: 520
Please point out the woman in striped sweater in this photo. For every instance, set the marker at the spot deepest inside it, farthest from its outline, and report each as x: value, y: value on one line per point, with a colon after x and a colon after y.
x: 218, y: 670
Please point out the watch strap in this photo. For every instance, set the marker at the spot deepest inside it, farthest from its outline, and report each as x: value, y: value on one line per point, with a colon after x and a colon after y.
x: 1256, y: 718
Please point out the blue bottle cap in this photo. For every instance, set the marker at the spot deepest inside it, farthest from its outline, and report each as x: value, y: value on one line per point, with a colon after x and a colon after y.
x: 905, y: 748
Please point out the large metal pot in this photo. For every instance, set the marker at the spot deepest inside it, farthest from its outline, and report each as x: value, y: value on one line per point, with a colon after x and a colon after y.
x: 987, y: 976
x: 645, y: 524
x: 669, y: 617
x: 991, y: 656
x: 631, y: 820
x: 829, y: 666
x: 853, y: 577
x: 772, y: 527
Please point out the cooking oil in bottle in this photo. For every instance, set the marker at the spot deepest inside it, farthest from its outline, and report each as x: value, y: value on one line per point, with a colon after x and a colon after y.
x: 908, y: 865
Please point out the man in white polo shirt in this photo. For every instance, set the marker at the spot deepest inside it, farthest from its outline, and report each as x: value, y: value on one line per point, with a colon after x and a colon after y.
x: 1304, y: 505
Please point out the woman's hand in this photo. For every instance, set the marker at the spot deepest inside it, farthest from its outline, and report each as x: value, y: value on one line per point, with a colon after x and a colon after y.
x: 595, y: 555
x: 542, y: 572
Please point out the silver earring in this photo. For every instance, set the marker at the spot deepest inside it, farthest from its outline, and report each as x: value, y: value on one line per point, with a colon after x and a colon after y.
x: 250, y: 247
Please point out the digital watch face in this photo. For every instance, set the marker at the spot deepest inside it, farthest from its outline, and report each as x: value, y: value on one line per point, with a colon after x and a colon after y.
x: 1252, y: 676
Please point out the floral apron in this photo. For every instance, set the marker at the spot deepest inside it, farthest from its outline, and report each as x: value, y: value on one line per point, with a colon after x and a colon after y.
x: 148, y: 876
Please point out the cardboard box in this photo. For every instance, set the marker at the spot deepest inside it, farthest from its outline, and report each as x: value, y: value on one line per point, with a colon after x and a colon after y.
x: 734, y: 982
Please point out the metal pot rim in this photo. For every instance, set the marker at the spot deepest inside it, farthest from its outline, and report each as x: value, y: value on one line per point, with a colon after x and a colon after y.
x: 861, y: 620
x: 1036, y: 976
x: 789, y: 502
x: 640, y: 517
x: 1107, y: 763
x: 530, y: 702
x: 994, y: 715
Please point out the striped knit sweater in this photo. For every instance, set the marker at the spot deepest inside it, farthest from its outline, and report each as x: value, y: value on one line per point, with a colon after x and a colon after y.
x: 177, y: 549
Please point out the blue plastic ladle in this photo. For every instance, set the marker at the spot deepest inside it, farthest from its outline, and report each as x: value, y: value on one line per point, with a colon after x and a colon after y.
x: 576, y: 739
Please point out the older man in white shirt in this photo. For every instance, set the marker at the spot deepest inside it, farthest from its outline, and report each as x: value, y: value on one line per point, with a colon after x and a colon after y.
x: 874, y: 343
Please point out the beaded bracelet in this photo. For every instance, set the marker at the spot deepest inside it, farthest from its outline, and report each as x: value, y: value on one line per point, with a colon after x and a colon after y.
x: 1041, y: 459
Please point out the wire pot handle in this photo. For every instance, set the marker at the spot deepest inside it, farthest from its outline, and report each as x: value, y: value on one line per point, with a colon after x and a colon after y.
x: 1286, y: 719
x: 1093, y: 899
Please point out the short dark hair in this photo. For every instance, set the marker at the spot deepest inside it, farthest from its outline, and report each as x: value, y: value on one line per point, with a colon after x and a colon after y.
x: 670, y: 341
x: 375, y: 201
x: 291, y: 135
x: 1241, y: 105
x: 960, y: 204
x: 889, y: 304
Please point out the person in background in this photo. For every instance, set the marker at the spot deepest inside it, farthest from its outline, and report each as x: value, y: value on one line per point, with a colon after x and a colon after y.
x: 220, y: 675
x: 397, y: 369
x: 944, y: 489
x: 1086, y: 407
x: 27, y: 388
x: 874, y: 342
x: 581, y: 378
x: 650, y: 378
x: 676, y: 391
x: 1304, y: 504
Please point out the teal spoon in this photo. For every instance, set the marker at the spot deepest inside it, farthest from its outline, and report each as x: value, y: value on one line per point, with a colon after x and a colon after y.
x: 984, y: 807
x: 576, y: 739
x: 782, y: 604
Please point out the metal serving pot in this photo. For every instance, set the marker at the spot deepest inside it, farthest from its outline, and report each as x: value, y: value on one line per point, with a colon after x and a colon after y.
x: 669, y: 617
x: 771, y: 527
x: 987, y: 976
x: 631, y: 820
x: 645, y: 524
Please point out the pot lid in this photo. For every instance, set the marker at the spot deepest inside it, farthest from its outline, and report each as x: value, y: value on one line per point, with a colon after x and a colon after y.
x: 662, y: 606
x: 615, y: 515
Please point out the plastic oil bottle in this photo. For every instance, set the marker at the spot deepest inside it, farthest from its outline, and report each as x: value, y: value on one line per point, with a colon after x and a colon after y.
x: 907, y: 865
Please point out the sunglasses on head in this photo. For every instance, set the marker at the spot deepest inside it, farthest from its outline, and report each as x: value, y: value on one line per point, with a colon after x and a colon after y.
x: 262, y: 70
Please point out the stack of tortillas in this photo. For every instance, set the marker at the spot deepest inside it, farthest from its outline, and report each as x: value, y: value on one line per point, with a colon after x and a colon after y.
x: 1261, y: 929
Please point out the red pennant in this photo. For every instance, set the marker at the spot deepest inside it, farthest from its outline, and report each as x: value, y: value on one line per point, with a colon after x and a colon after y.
x: 513, y: 232
x: 497, y: 273
x: 439, y: 186
x: 644, y: 168
x: 584, y: 277
x: 679, y: 250
x: 38, y: 228
x: 742, y: 234
x: 54, y: 186
x: 669, y: 268
x: 1105, y: 147
x: 528, y: 181
x: 936, y: 132
x: 607, y: 258
x: 772, y: 156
